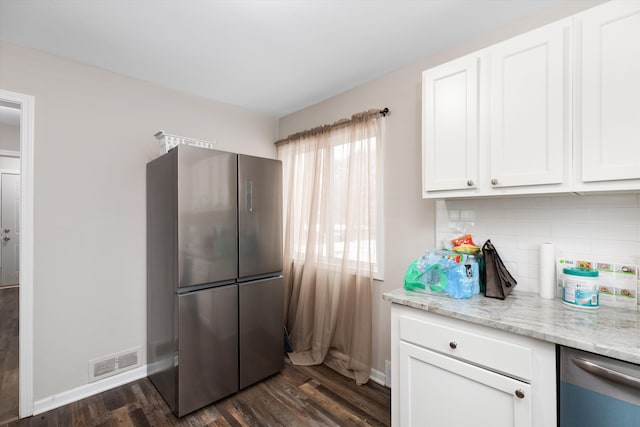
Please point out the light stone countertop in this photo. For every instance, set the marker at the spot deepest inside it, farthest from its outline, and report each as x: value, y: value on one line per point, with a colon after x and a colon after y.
x: 607, y: 331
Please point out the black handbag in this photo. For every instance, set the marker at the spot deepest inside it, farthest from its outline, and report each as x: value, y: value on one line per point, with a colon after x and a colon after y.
x: 497, y: 280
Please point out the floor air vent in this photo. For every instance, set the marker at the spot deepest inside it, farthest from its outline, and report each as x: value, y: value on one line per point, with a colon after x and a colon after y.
x: 114, y: 364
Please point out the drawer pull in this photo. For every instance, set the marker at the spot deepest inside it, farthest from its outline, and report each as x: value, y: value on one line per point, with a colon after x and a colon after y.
x: 520, y: 393
x: 453, y: 345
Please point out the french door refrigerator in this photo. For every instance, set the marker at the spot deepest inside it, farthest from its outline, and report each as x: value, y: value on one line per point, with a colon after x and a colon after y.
x: 215, y: 300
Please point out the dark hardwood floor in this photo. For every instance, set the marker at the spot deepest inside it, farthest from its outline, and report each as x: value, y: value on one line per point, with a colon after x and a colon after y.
x: 297, y: 396
x: 9, y: 322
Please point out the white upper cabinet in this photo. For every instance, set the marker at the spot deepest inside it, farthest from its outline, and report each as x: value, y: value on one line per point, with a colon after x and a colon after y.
x: 553, y: 110
x: 450, y: 125
x: 608, y: 97
x: 498, y: 121
x: 530, y: 116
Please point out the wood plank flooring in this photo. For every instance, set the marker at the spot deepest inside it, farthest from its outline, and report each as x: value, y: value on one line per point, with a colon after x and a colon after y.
x: 9, y: 322
x: 297, y: 396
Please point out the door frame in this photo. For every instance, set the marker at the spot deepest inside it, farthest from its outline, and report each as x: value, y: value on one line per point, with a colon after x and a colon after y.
x: 27, y: 126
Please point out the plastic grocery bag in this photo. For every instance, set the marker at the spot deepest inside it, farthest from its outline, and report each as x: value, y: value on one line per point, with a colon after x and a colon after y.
x: 418, y: 278
x: 444, y: 272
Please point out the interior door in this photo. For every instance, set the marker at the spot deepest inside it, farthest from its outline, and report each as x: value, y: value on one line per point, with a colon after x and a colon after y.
x: 10, y: 212
x: 259, y: 216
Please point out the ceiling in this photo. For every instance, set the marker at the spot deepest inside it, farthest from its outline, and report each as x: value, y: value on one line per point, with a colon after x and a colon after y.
x: 271, y: 56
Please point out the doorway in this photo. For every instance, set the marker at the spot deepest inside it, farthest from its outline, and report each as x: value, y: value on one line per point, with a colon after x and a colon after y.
x: 9, y: 260
x: 16, y: 162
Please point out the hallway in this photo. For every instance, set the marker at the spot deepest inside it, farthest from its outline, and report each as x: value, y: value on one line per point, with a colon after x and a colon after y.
x: 9, y: 344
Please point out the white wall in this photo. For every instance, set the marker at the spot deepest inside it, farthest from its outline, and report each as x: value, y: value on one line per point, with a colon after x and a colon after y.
x: 9, y: 137
x: 10, y: 141
x: 409, y: 220
x: 93, y: 137
x: 9, y: 163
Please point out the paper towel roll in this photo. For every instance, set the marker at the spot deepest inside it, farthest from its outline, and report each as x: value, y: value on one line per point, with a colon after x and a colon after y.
x: 547, y: 271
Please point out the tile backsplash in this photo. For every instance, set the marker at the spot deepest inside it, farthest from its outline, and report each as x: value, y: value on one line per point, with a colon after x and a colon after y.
x: 603, y: 226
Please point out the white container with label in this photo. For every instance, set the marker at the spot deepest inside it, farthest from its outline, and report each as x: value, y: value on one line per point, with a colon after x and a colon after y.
x: 580, y: 288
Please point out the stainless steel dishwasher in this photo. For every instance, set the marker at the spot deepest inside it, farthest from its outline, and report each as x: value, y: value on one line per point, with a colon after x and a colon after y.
x: 597, y: 391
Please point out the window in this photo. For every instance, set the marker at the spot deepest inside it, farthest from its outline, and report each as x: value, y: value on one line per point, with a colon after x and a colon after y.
x: 333, y: 199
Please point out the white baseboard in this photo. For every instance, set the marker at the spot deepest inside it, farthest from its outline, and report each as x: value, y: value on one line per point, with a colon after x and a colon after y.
x: 87, y: 390
x: 377, y: 377
x: 84, y: 391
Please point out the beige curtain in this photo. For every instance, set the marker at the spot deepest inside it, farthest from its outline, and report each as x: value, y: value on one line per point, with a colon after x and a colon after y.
x: 330, y: 195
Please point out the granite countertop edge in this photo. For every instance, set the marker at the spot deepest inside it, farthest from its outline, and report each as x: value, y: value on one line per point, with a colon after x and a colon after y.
x: 608, y: 331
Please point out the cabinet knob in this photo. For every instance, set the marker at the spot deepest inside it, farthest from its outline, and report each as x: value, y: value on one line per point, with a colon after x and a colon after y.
x: 520, y: 393
x: 453, y: 345
x: 470, y: 183
x: 494, y: 181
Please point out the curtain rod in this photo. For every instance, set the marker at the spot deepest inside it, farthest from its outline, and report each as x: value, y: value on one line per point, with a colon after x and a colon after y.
x: 382, y: 111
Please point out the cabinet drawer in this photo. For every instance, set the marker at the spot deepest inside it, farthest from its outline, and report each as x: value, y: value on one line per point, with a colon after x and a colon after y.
x: 477, y: 348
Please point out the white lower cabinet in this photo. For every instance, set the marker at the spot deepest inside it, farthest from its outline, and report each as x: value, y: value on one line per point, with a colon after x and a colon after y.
x: 447, y: 372
x: 443, y: 391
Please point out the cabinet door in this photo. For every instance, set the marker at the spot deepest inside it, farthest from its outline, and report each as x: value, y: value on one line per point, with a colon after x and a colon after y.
x: 530, y: 132
x: 610, y: 92
x: 437, y: 390
x: 450, y: 125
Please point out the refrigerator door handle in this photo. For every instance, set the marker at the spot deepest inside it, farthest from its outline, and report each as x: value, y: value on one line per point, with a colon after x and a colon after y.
x: 249, y: 192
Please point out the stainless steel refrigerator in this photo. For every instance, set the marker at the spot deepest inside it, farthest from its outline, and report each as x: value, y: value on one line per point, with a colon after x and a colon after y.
x: 215, y: 300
